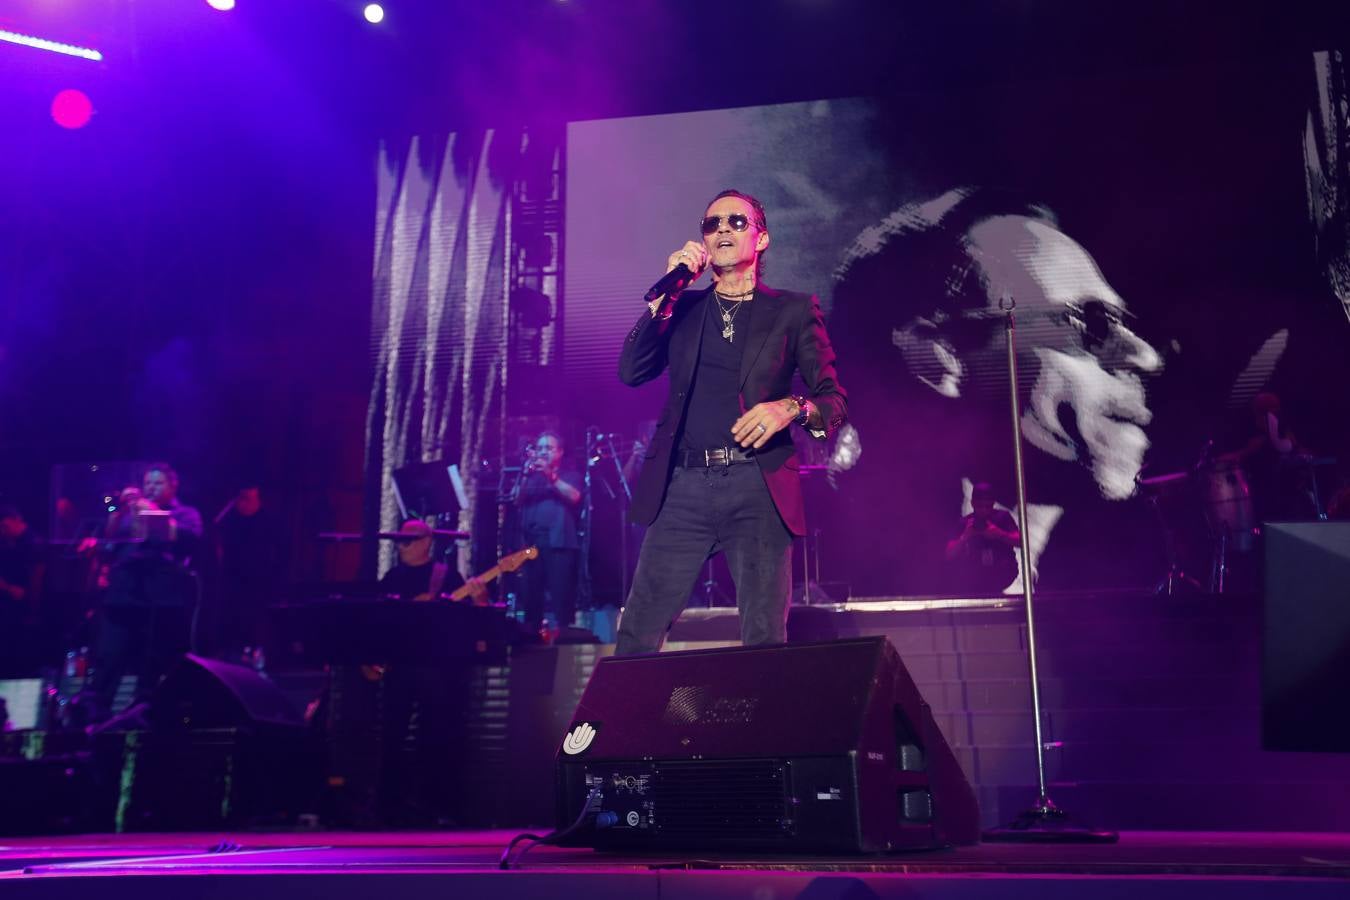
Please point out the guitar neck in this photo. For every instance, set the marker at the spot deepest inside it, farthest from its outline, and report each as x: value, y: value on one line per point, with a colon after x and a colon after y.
x: 460, y: 593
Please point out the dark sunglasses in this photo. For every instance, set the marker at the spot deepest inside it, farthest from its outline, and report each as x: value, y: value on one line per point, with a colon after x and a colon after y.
x: 735, y: 221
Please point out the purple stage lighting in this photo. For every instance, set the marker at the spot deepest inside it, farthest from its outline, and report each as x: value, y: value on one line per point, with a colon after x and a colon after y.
x: 374, y: 13
x: 37, y: 43
x: 222, y: 5
x: 72, y: 109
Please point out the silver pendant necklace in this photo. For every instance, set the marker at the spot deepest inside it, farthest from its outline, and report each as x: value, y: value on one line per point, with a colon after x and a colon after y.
x: 729, y: 318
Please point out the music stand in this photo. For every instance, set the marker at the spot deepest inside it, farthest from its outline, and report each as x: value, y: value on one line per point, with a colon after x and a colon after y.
x: 429, y: 489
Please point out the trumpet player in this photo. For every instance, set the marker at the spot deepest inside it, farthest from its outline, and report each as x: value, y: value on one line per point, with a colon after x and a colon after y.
x: 549, y: 500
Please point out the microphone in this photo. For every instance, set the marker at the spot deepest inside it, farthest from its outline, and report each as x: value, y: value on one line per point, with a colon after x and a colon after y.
x: 677, y: 279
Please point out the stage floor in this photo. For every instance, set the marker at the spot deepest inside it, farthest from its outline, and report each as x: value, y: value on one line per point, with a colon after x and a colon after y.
x: 395, y: 865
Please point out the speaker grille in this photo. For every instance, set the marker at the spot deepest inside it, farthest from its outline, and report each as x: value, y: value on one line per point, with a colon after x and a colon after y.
x: 734, y: 800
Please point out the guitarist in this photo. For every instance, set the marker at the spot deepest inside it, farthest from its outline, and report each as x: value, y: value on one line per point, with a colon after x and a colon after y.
x: 418, y: 576
x: 549, y: 499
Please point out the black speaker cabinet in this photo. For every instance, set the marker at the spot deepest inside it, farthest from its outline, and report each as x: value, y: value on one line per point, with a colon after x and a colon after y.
x: 1306, y: 637
x: 225, y: 748
x: 207, y: 693
x: 814, y: 747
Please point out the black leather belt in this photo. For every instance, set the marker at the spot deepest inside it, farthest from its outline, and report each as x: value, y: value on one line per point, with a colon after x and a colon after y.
x: 720, y: 456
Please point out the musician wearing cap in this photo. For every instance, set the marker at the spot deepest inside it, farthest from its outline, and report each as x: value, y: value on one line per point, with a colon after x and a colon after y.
x: 418, y: 575
x: 721, y: 474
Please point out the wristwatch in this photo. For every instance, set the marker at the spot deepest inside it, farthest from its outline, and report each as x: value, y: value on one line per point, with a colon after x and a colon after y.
x: 803, y: 410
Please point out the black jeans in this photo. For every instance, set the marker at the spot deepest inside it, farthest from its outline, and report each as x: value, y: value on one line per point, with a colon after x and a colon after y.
x: 145, y: 625
x: 707, y: 511
x: 551, y: 587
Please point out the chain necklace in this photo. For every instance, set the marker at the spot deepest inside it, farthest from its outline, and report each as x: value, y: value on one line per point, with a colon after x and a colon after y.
x: 729, y: 318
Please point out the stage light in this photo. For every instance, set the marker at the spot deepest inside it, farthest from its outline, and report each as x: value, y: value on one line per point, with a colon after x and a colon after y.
x: 72, y: 109
x: 26, y: 40
x: 222, y: 5
x: 374, y: 13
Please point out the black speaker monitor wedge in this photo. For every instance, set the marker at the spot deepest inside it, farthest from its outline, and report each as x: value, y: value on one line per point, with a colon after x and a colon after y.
x: 822, y: 746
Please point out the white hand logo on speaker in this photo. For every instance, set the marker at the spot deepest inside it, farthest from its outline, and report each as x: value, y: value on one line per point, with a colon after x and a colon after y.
x: 578, y: 739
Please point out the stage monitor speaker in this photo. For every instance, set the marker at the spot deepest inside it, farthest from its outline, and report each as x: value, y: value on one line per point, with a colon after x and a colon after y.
x: 225, y: 748
x: 812, y: 747
x: 207, y: 693
x: 1306, y: 637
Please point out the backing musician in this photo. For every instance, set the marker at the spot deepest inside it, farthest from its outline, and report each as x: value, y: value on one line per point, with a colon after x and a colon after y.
x: 151, y: 589
x: 983, y: 550
x: 549, y: 500
x: 418, y: 575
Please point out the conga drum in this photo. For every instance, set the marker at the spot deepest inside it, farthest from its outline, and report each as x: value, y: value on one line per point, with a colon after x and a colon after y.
x: 1228, y: 505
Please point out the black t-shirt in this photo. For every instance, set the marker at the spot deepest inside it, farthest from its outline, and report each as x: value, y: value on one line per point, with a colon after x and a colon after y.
x: 409, y: 581
x: 715, y: 395
x: 546, y: 519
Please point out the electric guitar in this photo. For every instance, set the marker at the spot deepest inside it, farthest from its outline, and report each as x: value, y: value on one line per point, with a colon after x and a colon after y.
x: 508, y: 563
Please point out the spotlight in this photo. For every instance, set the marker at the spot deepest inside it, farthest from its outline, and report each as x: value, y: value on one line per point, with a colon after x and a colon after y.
x: 72, y: 109
x: 374, y: 13
x: 222, y: 5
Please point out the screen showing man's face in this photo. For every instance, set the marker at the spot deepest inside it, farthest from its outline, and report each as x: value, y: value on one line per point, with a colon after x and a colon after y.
x: 1088, y: 401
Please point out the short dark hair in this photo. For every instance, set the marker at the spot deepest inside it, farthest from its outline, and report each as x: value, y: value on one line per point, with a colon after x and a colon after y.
x: 168, y: 470
x: 761, y: 219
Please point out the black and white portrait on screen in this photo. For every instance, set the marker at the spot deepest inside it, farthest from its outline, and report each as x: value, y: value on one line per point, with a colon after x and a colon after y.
x: 918, y: 296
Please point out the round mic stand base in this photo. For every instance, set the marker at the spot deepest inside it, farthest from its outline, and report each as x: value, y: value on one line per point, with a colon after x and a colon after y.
x: 1048, y: 824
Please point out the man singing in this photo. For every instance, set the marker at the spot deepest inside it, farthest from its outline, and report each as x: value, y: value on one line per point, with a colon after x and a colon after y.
x: 721, y: 474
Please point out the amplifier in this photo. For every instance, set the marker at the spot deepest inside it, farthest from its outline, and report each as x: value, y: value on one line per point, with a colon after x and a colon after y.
x: 813, y: 747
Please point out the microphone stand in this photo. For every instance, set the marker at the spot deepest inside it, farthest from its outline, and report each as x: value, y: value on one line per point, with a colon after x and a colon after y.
x: 618, y: 468
x: 623, y: 519
x: 585, y: 586
x: 1045, y: 822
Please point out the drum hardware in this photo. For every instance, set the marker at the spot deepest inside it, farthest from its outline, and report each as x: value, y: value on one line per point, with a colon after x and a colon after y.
x: 1308, y: 465
x: 1229, y: 515
x: 1166, y: 494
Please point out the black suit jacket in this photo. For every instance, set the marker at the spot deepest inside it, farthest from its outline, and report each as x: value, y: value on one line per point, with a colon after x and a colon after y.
x: 785, y: 334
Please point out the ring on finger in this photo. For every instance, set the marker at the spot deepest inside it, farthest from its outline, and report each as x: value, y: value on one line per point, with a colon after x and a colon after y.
x: 761, y: 427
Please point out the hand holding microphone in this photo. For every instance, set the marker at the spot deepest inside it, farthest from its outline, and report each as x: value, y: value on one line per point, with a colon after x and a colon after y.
x: 682, y: 267
x: 693, y: 256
